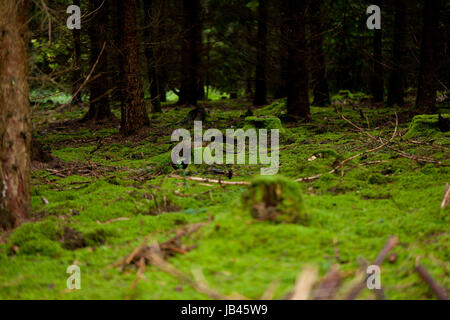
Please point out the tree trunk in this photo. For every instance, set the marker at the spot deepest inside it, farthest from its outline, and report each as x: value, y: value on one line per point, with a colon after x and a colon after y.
x: 76, y: 71
x: 396, y: 86
x: 297, y: 77
x: 320, y: 86
x: 15, y: 122
x: 426, y: 87
x: 151, y: 63
x: 99, y: 100
x: 133, y: 111
x: 377, y: 84
x: 261, y: 56
x: 191, y: 52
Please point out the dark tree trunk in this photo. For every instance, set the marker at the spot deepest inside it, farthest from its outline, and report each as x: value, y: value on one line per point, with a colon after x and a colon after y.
x: 150, y: 55
x: 377, y: 84
x: 76, y: 67
x: 261, y: 56
x: 191, y: 52
x: 297, y: 76
x: 396, y: 87
x: 99, y: 100
x: 15, y: 121
x: 114, y: 55
x: 133, y: 111
x: 163, y: 77
x: 426, y: 87
x: 320, y: 84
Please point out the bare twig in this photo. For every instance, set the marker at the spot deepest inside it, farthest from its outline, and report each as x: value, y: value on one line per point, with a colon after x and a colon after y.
x: 438, y: 290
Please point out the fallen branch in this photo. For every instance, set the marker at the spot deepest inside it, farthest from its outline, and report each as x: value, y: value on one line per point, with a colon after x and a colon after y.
x: 329, y: 284
x: 446, y: 199
x: 207, y: 180
x: 356, y: 290
x: 438, y: 290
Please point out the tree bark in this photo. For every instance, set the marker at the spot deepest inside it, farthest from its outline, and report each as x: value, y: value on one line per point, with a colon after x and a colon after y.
x: 151, y: 63
x: 191, y: 52
x: 15, y: 122
x: 320, y: 86
x: 297, y: 77
x: 260, y: 97
x: 396, y: 86
x: 99, y: 100
x: 426, y: 87
x: 133, y: 111
x: 76, y: 67
x: 377, y: 66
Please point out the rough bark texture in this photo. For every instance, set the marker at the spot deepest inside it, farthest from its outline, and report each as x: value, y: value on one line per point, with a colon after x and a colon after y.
x: 99, y: 100
x: 297, y: 77
x: 191, y: 52
x: 76, y: 71
x: 426, y: 87
x: 261, y: 56
x: 396, y: 87
x: 151, y: 63
x: 133, y: 111
x: 319, y: 77
x: 377, y: 84
x: 15, y: 122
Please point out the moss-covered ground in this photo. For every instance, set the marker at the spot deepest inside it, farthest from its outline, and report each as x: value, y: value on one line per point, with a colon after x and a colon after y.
x: 113, y: 192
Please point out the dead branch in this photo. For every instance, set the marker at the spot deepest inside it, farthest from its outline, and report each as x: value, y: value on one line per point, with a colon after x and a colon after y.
x: 356, y: 290
x: 329, y: 284
x: 438, y: 290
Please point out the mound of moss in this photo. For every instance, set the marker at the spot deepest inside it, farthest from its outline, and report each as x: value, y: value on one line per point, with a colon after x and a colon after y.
x: 37, y: 238
x: 275, y: 198
x: 426, y: 125
x: 265, y: 122
x: 276, y: 109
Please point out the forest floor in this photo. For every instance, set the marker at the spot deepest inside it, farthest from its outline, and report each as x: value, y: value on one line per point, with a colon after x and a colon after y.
x: 102, y: 195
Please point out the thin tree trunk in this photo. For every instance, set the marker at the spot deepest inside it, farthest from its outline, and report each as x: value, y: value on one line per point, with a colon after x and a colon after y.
x: 163, y: 77
x: 261, y: 56
x: 377, y: 66
x: 150, y: 55
x: 396, y: 89
x: 426, y: 87
x: 133, y: 111
x: 15, y: 122
x: 297, y: 77
x: 320, y: 88
x: 191, y: 52
x: 76, y: 71
x: 99, y: 100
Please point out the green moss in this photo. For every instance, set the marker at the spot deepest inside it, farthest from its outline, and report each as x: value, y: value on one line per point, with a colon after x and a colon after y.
x: 263, y: 123
x: 377, y: 178
x: 114, y: 210
x: 426, y: 125
x: 275, y: 198
x: 38, y: 237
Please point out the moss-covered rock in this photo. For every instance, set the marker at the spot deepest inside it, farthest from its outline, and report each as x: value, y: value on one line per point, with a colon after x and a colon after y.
x: 275, y: 198
x: 426, y: 125
x: 266, y: 122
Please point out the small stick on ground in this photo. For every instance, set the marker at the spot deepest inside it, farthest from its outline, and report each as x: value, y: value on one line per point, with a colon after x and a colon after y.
x: 329, y: 284
x: 304, y: 284
x: 356, y: 290
x: 438, y: 290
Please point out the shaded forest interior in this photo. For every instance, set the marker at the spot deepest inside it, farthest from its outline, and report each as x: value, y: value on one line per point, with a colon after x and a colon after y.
x: 87, y: 179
